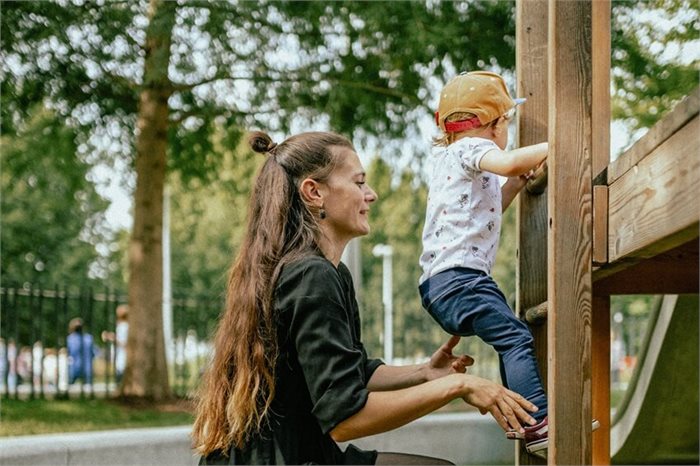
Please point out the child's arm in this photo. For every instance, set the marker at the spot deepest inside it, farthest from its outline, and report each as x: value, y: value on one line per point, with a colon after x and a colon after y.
x: 512, y: 187
x: 515, y: 162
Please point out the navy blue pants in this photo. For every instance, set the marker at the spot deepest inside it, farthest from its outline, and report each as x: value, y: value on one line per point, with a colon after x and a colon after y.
x: 468, y: 302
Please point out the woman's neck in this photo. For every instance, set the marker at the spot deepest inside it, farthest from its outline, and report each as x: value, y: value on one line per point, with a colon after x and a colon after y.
x: 332, y: 248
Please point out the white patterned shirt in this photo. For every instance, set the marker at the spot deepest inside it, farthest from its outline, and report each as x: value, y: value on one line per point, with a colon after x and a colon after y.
x: 463, y: 217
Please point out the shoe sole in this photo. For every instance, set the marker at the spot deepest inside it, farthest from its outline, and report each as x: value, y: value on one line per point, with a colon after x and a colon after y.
x: 542, y: 444
x: 537, y: 446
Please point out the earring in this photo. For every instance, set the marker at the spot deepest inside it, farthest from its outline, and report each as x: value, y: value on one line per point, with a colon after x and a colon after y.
x: 322, y: 213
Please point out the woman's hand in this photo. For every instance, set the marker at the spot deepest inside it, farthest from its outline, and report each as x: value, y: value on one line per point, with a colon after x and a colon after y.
x: 506, y: 406
x: 443, y: 362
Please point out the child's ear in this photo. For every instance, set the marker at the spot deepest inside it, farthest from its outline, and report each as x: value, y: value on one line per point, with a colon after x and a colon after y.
x: 311, y: 192
x: 500, y: 126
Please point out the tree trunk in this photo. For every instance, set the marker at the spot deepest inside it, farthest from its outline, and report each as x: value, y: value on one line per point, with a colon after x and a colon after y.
x: 146, y: 374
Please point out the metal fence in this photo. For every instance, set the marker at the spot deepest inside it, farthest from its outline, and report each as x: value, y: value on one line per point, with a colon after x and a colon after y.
x: 34, y: 361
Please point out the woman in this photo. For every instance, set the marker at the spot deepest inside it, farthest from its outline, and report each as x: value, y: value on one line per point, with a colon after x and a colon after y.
x: 289, y: 376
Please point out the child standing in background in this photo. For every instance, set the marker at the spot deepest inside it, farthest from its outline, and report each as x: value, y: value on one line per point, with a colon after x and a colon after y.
x: 462, y: 229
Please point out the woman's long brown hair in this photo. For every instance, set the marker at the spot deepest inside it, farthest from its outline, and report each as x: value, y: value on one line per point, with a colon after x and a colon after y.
x: 239, y: 384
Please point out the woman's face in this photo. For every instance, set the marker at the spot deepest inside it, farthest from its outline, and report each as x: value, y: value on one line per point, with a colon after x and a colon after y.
x: 347, y: 197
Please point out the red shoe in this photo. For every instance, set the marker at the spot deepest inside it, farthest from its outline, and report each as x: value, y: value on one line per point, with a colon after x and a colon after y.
x: 537, y: 437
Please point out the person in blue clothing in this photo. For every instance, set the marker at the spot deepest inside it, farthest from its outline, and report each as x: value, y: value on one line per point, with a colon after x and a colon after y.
x: 81, y: 351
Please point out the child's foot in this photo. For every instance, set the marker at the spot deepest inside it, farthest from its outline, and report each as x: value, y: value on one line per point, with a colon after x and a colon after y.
x: 536, y: 437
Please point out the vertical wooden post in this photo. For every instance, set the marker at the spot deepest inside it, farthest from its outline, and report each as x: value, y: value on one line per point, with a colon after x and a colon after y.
x: 531, y: 268
x: 600, y: 360
x: 570, y: 227
x: 600, y: 357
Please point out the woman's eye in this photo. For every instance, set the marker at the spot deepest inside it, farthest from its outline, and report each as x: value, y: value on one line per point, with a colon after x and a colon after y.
x: 360, y: 183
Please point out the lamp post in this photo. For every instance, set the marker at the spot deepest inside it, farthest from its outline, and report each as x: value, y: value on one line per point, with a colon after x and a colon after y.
x: 386, y: 252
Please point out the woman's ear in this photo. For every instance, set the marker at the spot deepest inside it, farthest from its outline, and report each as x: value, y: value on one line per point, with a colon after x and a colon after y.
x: 311, y: 192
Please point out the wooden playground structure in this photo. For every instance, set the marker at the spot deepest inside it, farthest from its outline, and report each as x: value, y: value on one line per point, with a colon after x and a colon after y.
x: 591, y: 228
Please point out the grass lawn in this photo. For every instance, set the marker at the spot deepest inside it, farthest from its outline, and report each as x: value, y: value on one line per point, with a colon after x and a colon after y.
x: 26, y: 417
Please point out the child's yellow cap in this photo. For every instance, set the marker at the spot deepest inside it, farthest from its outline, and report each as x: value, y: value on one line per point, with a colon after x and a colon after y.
x: 482, y: 93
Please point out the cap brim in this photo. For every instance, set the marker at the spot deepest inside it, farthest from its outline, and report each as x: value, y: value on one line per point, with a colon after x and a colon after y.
x: 519, y: 100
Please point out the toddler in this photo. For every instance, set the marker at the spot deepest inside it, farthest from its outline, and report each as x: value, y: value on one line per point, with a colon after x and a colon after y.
x: 463, y: 224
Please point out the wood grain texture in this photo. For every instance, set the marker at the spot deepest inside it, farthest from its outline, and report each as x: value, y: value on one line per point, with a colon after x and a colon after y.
x: 570, y: 226
x: 600, y: 225
x: 531, y: 268
x: 600, y: 367
x: 654, y: 206
x: 672, y: 272
x: 601, y: 45
x: 677, y: 118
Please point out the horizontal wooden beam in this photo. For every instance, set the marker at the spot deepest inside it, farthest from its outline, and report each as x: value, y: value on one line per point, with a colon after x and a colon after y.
x: 653, y: 207
x: 538, y: 183
x: 536, y: 314
x: 676, y: 119
x: 672, y: 272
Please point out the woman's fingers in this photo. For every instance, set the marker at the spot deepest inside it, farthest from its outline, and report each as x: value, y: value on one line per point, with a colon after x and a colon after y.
x: 522, y: 402
x: 466, y: 360
x: 519, y: 410
x: 450, y: 344
x: 458, y: 366
x: 509, y: 410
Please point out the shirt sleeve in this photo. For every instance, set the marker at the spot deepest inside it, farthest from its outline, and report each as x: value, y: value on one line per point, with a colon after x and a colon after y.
x: 471, y: 150
x: 321, y: 329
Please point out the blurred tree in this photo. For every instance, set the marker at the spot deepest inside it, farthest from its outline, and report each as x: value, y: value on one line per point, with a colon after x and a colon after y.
x: 167, y: 72
x: 396, y: 219
x: 207, y: 220
x: 51, y: 213
x: 654, y: 57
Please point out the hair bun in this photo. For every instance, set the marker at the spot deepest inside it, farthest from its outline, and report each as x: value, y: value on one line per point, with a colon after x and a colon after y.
x: 261, y: 142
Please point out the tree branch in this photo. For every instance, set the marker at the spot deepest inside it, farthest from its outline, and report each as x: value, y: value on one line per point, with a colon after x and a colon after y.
x: 341, y: 82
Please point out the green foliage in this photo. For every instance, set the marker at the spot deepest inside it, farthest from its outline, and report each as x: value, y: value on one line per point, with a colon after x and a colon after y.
x: 364, y: 65
x: 648, y: 77
x: 208, y: 219
x: 51, y: 213
x: 396, y: 219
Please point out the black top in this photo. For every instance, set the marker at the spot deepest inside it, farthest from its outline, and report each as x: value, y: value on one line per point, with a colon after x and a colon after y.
x: 321, y: 372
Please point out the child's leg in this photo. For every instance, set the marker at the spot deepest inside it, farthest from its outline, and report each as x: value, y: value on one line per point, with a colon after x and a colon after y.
x: 468, y: 302
x: 495, y: 323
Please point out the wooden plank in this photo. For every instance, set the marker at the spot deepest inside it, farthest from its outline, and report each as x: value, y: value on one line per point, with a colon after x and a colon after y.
x: 570, y: 231
x: 600, y: 71
x: 531, y: 268
x: 685, y: 111
x: 531, y: 59
x: 672, y: 272
x: 600, y: 332
x: 653, y: 207
x: 600, y: 225
x: 600, y: 371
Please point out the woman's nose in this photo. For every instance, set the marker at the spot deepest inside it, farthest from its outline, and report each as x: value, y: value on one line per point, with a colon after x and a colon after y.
x: 371, y: 195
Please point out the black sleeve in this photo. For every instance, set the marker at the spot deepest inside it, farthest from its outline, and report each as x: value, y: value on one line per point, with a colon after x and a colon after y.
x: 320, y: 327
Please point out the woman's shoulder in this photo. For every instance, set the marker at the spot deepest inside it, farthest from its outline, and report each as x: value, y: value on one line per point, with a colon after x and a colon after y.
x: 311, y: 268
x: 308, y: 263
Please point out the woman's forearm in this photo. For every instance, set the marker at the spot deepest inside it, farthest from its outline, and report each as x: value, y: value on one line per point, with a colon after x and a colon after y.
x: 387, y: 377
x: 387, y: 410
